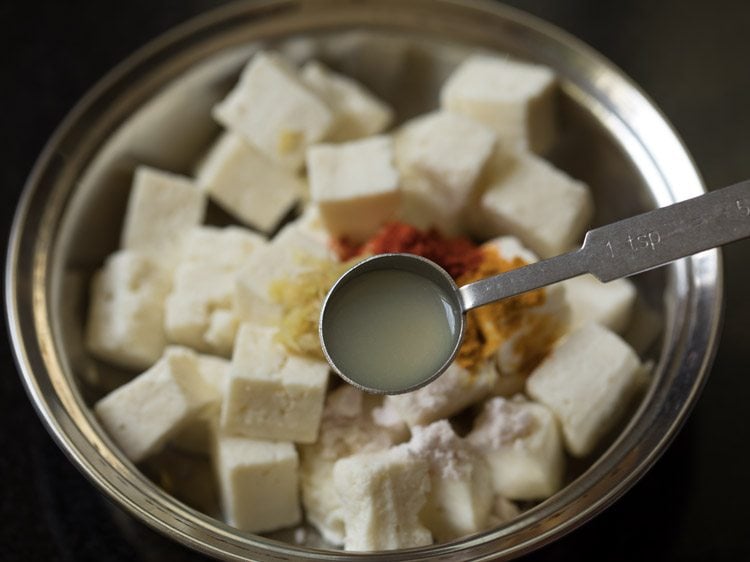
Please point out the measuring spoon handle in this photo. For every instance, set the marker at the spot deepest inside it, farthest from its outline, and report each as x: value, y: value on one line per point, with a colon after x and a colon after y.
x: 631, y: 246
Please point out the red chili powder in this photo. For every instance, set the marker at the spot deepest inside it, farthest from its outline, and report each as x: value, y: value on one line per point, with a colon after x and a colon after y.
x: 456, y: 255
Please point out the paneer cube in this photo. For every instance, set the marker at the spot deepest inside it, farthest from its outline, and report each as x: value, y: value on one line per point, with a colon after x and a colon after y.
x: 588, y: 382
x: 458, y: 503
x: 198, y: 292
x: 273, y: 109
x: 448, y: 150
x: 516, y: 99
x: 143, y: 414
x: 382, y: 495
x: 447, y: 395
x: 247, y: 184
x: 200, y: 308
x: 272, y: 394
x: 220, y: 247
x: 125, y: 324
x: 425, y: 207
x: 522, y: 444
x: 292, y: 251
x: 609, y: 304
x: 355, y: 185
x: 527, y: 197
x: 357, y: 113
x: 348, y: 427
x: 258, y: 483
x: 161, y: 209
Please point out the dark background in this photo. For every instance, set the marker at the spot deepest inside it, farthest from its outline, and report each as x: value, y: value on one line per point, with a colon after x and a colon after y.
x: 690, y: 56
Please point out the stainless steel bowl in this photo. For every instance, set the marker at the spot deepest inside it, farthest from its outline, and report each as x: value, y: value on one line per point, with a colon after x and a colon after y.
x: 154, y: 109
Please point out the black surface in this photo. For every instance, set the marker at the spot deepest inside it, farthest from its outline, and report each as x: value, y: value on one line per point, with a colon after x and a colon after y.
x: 690, y: 56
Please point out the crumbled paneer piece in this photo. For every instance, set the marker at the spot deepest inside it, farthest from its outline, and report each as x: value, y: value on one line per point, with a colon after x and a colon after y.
x: 516, y: 99
x: 587, y: 381
x: 200, y: 308
x: 450, y: 393
x: 273, y: 109
x: 125, y: 324
x: 522, y: 443
x: 292, y: 251
x: 458, y: 503
x: 270, y: 393
x: 247, y: 184
x: 609, y: 304
x: 348, y: 427
x: 527, y: 197
x: 355, y: 185
x: 258, y: 483
x: 197, y: 436
x: 448, y: 150
x: 162, y: 207
x: 143, y: 414
x: 357, y: 113
x: 382, y: 495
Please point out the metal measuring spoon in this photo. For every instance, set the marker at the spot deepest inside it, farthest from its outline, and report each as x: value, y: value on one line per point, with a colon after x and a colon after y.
x: 368, y: 350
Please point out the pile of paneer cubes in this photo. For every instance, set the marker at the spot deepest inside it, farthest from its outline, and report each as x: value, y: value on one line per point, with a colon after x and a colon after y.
x: 187, y: 307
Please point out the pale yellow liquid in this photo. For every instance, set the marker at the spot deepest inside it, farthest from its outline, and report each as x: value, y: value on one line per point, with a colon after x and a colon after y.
x: 390, y: 329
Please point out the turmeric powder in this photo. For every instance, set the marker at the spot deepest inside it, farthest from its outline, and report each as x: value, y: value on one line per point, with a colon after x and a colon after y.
x: 489, y: 327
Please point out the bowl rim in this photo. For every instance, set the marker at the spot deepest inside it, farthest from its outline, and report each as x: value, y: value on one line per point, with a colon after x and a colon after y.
x: 35, y: 351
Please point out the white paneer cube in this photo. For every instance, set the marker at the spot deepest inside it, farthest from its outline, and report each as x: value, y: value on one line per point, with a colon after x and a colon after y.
x: 200, y: 309
x: 458, y: 503
x: 197, y: 436
x: 220, y: 247
x: 125, y: 324
x: 516, y: 99
x: 143, y: 414
x: 357, y: 113
x: 382, y: 495
x: 162, y: 207
x: 272, y: 394
x: 247, y: 184
x: 355, y: 185
x: 425, y: 207
x: 291, y: 252
x: 447, y: 149
x: 588, y: 382
x: 447, y: 395
x: 522, y: 444
x: 198, y: 292
x: 273, y: 109
x: 609, y: 304
x: 348, y: 427
x: 258, y: 483
x: 527, y: 197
